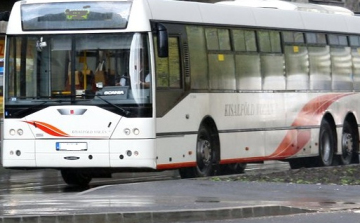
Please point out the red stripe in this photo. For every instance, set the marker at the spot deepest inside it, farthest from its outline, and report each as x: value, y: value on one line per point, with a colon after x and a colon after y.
x: 175, y: 165
x: 310, y: 114
x: 295, y: 140
x: 245, y: 160
x: 49, y: 129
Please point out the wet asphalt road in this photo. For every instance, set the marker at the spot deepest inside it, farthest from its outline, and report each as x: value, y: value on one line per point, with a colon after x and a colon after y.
x: 29, y: 192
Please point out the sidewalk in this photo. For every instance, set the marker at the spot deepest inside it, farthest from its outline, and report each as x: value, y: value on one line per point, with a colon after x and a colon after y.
x: 174, y: 200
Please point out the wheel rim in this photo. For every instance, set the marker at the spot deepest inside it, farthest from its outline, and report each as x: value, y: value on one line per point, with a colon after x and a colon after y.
x: 204, y: 154
x: 347, y: 145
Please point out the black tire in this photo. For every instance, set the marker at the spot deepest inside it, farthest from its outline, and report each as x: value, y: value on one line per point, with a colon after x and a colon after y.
x: 327, y: 144
x: 75, y: 177
x: 348, y: 145
x: 206, y: 156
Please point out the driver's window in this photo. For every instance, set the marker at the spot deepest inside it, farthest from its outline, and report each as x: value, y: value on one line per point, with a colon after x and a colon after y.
x: 168, y: 72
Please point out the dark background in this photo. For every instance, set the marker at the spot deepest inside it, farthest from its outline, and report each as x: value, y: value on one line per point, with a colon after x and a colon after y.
x: 6, y: 5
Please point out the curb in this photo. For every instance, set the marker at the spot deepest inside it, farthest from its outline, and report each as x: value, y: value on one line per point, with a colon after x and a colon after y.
x: 162, y: 217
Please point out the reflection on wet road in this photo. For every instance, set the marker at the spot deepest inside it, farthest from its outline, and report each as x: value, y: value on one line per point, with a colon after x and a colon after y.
x: 50, y: 181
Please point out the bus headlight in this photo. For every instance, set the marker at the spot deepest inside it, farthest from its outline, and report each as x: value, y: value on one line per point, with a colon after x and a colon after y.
x: 127, y: 131
x: 20, y: 132
x: 12, y: 132
x: 136, y: 131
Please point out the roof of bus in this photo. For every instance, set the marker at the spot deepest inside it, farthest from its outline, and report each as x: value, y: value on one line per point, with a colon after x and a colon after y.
x: 285, y: 5
x: 231, y: 14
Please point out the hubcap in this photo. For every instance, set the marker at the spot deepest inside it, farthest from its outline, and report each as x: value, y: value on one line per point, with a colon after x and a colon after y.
x: 204, y: 151
x: 347, y: 144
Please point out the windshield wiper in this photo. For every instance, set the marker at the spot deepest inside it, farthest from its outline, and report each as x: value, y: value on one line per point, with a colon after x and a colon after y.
x: 124, y: 112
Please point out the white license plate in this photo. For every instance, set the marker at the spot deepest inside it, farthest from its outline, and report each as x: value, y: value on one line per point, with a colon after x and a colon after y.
x: 71, y: 146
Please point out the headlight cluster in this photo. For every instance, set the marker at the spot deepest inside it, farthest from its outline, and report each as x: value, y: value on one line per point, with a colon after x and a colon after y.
x: 135, y: 131
x: 19, y: 132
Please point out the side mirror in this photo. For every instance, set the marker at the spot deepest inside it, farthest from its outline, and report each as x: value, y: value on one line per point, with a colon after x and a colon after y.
x: 162, y: 41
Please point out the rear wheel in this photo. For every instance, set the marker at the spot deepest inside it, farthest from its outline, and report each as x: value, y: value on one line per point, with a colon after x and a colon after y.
x: 348, y: 145
x: 75, y: 177
x: 327, y: 144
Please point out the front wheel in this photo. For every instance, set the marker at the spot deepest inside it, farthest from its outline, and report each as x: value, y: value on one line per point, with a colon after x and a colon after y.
x: 206, y: 155
x: 75, y: 177
x: 327, y: 144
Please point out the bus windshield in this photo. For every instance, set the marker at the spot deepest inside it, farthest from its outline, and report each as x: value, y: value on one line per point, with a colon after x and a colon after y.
x: 107, y: 70
x: 75, y: 15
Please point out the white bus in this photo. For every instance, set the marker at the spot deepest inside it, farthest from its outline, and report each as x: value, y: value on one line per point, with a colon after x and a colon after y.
x: 97, y: 87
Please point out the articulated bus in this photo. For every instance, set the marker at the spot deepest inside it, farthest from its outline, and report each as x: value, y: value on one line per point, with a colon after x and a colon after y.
x: 94, y: 87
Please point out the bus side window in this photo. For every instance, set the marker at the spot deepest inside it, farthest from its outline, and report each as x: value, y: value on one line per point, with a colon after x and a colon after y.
x: 272, y: 60
x: 220, y: 59
x: 355, y: 56
x: 198, y: 57
x: 319, y: 61
x: 296, y: 61
x: 247, y: 60
x: 341, y: 69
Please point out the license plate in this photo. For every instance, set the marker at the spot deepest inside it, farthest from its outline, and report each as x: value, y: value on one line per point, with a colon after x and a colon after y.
x: 71, y: 146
